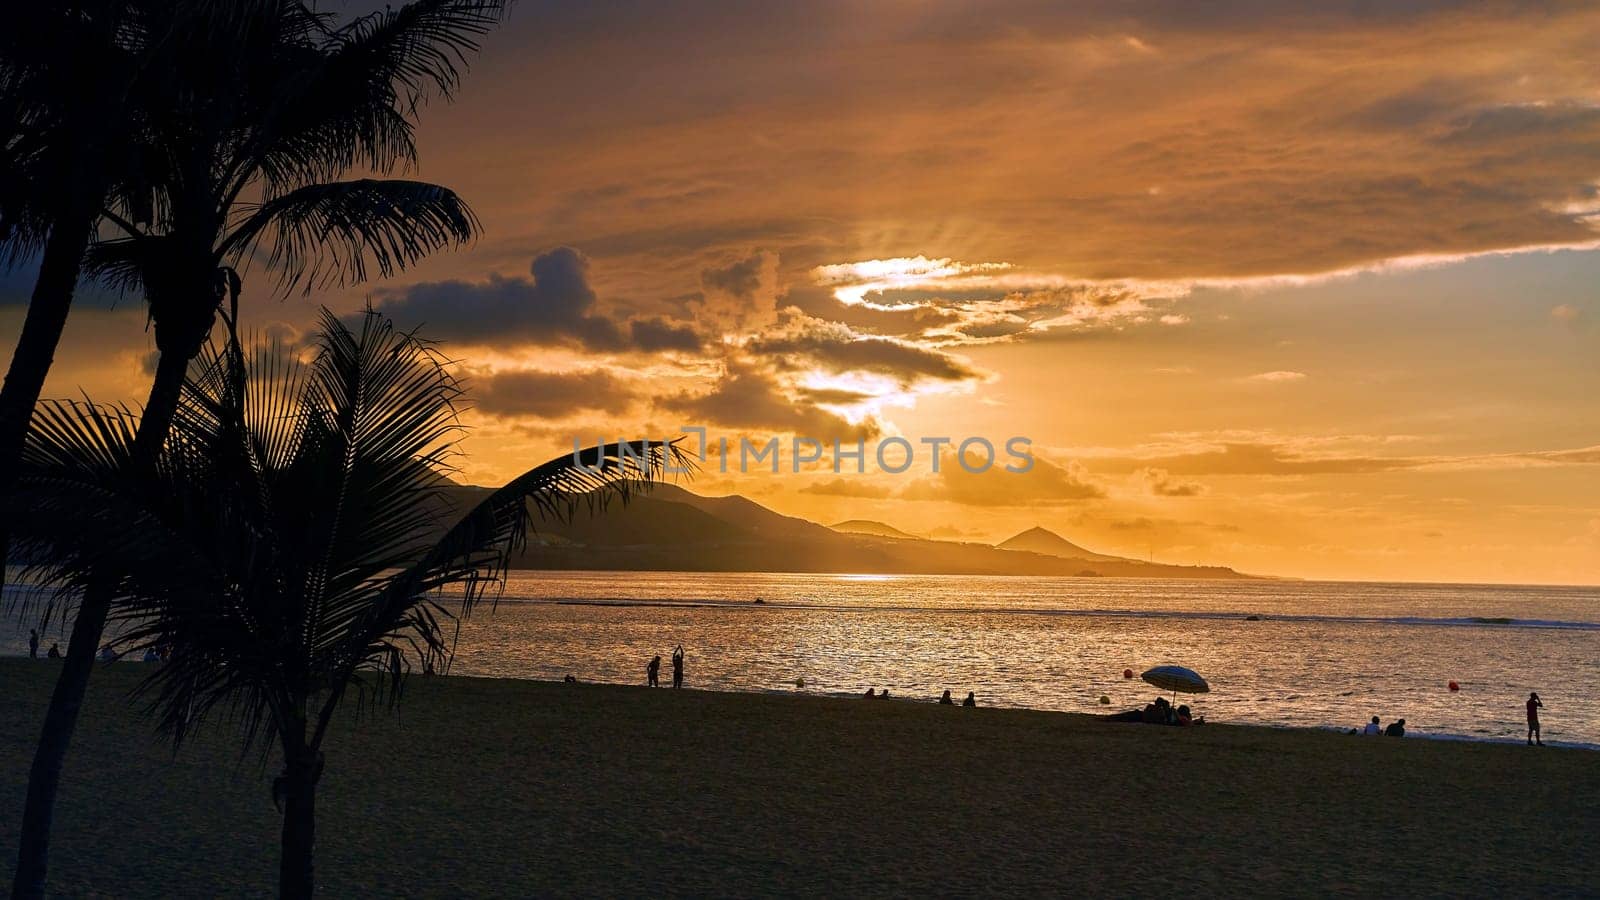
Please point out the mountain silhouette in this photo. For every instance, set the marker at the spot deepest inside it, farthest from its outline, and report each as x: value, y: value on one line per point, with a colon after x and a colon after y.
x: 876, y: 529
x: 668, y: 528
x: 1039, y: 540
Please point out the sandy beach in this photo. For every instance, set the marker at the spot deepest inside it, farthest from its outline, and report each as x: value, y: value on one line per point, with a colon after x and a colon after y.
x: 530, y: 788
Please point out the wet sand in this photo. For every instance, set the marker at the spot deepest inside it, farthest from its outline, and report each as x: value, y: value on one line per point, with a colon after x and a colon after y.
x: 484, y: 786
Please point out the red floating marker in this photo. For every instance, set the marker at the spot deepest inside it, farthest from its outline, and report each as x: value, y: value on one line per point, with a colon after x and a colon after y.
x: 1454, y: 686
x: 1127, y: 673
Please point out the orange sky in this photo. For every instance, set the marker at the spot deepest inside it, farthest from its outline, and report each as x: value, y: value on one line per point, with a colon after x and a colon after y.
x: 1306, y: 291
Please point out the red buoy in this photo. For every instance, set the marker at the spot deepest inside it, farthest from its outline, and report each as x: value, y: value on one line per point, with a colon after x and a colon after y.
x: 1127, y: 673
x: 1454, y: 686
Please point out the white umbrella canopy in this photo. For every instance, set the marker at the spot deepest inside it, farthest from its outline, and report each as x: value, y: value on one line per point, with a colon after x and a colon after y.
x: 1176, y: 679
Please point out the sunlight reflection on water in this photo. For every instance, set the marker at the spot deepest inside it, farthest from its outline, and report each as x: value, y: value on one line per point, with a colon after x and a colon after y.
x: 1319, y: 654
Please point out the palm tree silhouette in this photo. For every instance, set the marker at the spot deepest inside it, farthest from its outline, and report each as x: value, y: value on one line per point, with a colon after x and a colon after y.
x: 291, y: 546
x: 72, y: 79
x: 264, y: 103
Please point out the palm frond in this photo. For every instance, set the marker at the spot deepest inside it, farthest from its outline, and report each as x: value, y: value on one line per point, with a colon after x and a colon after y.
x: 423, y: 45
x: 350, y: 100
x: 295, y: 541
x: 330, y: 233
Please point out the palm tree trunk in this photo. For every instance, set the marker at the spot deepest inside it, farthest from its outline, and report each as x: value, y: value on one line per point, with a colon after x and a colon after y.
x: 302, y: 769
x: 156, y: 420
x: 36, y: 348
x: 41, y: 334
x: 59, y: 722
x: 61, y: 718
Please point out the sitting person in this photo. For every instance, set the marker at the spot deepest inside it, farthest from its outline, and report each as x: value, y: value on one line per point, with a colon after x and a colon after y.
x: 1396, y: 729
x: 1183, y: 718
x: 970, y: 701
x: 871, y: 693
x: 1373, y: 727
x: 55, y: 651
x: 945, y: 700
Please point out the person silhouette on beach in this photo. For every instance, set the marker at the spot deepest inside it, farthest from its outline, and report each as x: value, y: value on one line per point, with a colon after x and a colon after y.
x: 1396, y: 728
x: 55, y: 651
x: 653, y: 671
x: 677, y: 667
x: 1534, y: 705
x: 970, y: 701
x: 871, y: 693
x: 1373, y: 727
x: 945, y: 700
x: 33, y: 643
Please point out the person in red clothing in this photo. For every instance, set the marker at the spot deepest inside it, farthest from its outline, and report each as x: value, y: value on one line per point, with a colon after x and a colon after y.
x: 1534, y: 705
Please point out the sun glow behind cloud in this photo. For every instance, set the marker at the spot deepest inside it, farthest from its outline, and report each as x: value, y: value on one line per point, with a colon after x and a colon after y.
x: 855, y: 280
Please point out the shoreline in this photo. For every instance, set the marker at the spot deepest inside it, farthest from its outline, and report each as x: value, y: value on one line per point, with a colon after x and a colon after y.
x: 1411, y: 734
x: 1343, y: 731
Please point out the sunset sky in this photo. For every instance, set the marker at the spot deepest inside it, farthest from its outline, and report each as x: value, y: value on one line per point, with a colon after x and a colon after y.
x: 1304, y: 289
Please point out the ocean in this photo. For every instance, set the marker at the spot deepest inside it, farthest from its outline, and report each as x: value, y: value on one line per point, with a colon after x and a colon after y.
x: 1279, y: 653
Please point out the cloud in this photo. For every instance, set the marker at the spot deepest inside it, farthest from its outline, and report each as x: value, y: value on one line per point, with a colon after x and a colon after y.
x: 654, y: 335
x: 834, y: 396
x: 1161, y: 483
x: 848, y: 487
x: 1046, y: 484
x: 1453, y: 129
x: 1278, y: 377
x: 748, y: 398
x: 1579, y: 456
x: 1257, y: 459
x: 738, y: 297
x: 1566, y: 314
x: 836, y: 348
x: 556, y: 306
x: 529, y: 392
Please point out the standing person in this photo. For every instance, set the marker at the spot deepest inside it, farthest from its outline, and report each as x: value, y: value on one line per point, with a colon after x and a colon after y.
x: 1534, y: 705
x: 677, y: 666
x: 654, y: 671
x: 33, y: 643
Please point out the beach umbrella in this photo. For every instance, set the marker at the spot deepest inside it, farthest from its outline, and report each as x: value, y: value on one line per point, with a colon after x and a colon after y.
x: 1176, y: 679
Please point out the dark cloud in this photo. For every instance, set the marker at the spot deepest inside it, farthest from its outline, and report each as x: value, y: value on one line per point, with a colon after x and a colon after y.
x: 655, y: 335
x: 746, y: 397
x: 740, y: 296
x: 1530, y: 124
x: 551, y: 394
x: 835, y: 348
x: 742, y: 279
x: 555, y: 306
x: 833, y: 396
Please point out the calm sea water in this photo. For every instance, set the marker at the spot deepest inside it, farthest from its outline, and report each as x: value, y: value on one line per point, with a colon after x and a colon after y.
x: 1320, y: 654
